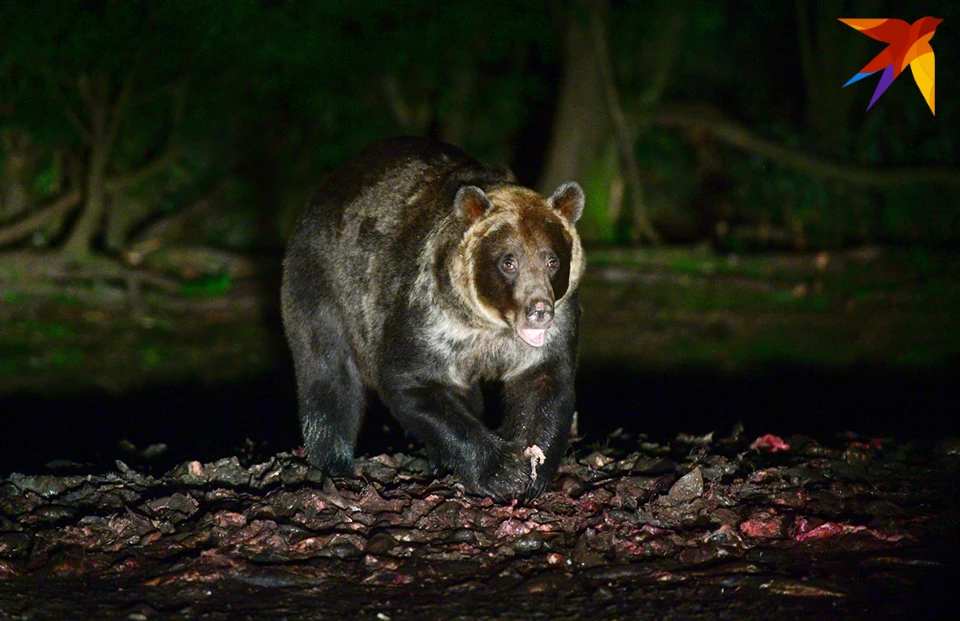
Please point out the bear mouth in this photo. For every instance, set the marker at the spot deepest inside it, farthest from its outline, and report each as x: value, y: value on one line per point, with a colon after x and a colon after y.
x: 535, y: 337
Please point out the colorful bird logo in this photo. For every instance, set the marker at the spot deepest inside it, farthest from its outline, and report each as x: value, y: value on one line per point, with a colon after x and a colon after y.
x: 909, y: 44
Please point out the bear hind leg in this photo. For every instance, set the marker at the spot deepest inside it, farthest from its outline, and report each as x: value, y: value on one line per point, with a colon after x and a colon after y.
x: 331, y: 397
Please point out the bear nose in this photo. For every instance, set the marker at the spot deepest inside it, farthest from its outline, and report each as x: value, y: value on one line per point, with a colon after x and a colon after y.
x: 540, y: 312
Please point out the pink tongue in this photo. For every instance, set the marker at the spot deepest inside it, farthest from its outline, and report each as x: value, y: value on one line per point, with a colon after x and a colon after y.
x: 532, y: 337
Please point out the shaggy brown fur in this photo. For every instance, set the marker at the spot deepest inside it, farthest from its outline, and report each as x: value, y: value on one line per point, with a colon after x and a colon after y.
x: 418, y: 272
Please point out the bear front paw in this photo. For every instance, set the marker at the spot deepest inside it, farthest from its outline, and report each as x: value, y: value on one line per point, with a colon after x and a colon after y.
x: 507, y: 482
x: 518, y: 474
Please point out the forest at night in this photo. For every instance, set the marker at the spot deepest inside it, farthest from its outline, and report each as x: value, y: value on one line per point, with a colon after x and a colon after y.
x: 765, y: 363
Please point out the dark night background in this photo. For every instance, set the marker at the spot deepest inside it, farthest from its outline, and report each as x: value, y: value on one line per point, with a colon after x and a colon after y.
x: 762, y: 248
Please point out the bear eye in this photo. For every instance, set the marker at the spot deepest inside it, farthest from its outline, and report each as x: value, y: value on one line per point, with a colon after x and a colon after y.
x: 508, y: 264
x: 553, y: 263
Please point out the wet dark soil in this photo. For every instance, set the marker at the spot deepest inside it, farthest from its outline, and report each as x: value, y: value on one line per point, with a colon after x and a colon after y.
x: 702, y: 528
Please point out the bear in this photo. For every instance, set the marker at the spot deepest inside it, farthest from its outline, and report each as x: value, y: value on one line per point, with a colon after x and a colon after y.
x: 416, y: 273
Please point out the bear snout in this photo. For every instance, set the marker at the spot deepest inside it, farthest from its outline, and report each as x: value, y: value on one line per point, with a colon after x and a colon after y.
x: 539, y: 313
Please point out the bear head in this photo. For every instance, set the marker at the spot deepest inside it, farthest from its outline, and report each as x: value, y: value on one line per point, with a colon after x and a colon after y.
x: 520, y: 256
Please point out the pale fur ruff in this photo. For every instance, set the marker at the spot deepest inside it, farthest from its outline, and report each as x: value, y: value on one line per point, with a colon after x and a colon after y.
x: 506, y: 212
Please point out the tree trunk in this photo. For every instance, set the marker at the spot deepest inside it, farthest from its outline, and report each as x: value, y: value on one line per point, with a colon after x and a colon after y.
x: 580, y: 130
x: 77, y: 246
x: 104, y: 124
x: 579, y: 126
x: 17, y: 174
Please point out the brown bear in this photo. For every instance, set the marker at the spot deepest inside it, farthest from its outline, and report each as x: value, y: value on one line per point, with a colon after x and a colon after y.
x: 418, y: 272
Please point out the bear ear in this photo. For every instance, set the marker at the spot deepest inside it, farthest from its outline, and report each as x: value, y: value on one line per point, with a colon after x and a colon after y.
x: 568, y: 200
x: 471, y: 203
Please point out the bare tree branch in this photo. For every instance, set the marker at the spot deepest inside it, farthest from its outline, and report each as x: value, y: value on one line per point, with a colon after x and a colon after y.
x: 158, y: 165
x: 711, y: 121
x: 628, y: 158
x: 169, y: 228
x: 116, y: 115
x: 85, y: 134
x: 411, y: 120
x: 667, y: 49
x: 85, y: 88
x: 179, y: 91
x: 27, y: 226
